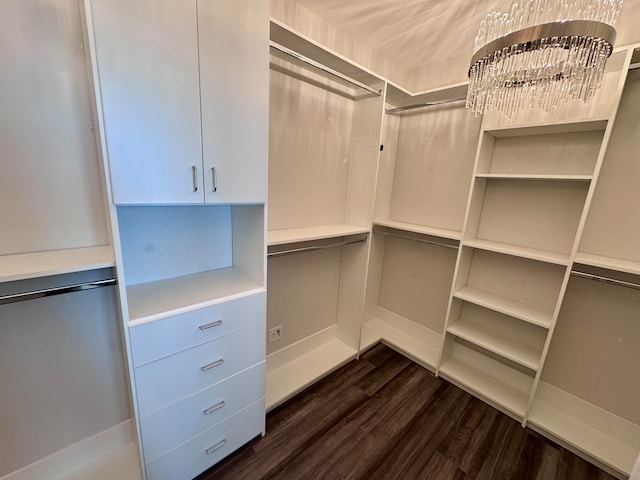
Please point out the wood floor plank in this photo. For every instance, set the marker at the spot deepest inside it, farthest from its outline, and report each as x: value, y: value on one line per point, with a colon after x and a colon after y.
x: 386, y: 418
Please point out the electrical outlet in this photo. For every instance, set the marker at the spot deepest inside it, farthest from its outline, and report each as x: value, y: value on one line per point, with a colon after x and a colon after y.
x: 275, y: 334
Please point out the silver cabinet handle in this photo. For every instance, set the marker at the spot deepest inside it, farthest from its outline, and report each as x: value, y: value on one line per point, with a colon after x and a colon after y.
x: 217, y: 446
x: 210, y: 325
x: 194, y: 177
x: 217, y: 406
x: 215, y: 364
x: 214, y: 179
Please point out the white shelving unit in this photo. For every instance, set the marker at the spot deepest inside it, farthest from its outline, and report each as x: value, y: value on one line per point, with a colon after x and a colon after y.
x: 323, y: 161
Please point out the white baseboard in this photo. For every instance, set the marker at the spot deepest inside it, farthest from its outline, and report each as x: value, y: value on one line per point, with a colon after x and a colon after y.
x: 78, y: 455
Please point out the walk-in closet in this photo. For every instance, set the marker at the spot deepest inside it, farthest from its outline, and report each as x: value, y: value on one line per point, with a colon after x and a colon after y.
x: 217, y: 213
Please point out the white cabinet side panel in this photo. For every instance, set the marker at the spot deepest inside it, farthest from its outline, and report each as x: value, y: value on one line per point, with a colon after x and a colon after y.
x: 434, y: 164
x: 234, y: 80
x: 147, y: 53
x: 50, y: 185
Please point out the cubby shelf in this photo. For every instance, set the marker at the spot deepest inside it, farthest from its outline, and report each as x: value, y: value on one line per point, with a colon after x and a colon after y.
x: 612, y: 448
x: 413, y: 228
x: 533, y: 176
x: 518, y: 251
x: 508, y: 347
x: 294, y: 376
x: 57, y: 262
x: 320, y: 232
x: 497, y: 386
x: 611, y: 263
x: 524, y: 311
x: 155, y: 300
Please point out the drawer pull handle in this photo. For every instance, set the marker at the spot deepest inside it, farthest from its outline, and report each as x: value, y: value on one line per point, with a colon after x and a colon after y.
x: 210, y: 410
x: 210, y: 325
x: 215, y: 364
x: 214, y: 179
x: 217, y: 446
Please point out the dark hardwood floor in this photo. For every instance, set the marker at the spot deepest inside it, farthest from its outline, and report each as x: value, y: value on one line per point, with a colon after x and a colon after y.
x: 384, y: 417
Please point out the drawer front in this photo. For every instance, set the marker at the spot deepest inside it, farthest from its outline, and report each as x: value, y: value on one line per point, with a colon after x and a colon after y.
x: 178, y: 423
x: 211, y: 446
x: 173, y: 378
x: 154, y: 340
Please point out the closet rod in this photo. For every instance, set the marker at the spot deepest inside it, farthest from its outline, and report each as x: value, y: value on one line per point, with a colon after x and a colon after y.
x: 600, y: 278
x: 420, y: 240
x: 634, y: 66
x: 421, y: 105
x: 315, y: 247
x: 322, y: 67
x: 48, y: 292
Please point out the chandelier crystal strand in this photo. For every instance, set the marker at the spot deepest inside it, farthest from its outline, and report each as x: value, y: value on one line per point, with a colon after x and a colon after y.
x: 540, y: 54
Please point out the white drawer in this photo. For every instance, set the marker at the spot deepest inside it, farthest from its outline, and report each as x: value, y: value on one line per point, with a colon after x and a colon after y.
x: 154, y: 340
x: 178, y: 423
x: 191, y: 458
x: 173, y: 378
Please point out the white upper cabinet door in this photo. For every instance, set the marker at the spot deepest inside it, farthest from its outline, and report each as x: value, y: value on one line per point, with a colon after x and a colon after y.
x: 234, y: 75
x: 147, y: 57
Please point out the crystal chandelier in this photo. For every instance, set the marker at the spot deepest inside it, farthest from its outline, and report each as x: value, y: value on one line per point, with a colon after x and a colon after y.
x: 540, y: 54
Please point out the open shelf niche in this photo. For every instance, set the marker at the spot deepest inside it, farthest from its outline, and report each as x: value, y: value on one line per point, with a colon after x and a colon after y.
x: 182, y: 258
x: 323, y: 162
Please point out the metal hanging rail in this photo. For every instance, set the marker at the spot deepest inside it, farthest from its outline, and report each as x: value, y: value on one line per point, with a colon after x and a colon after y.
x: 419, y: 240
x: 426, y: 104
x: 48, y: 292
x: 322, y: 67
x: 600, y: 278
x: 316, y: 247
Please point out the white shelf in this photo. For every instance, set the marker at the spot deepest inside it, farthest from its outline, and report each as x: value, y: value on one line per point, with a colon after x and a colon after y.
x: 590, y: 125
x: 533, y: 176
x: 517, y: 251
x: 294, y: 376
x: 293, y: 235
x: 506, y: 346
x: 56, y: 262
x: 617, y: 264
x: 493, y: 386
x: 163, y: 298
x: 523, y: 311
x: 410, y: 227
x: 416, y: 347
x: 606, y: 449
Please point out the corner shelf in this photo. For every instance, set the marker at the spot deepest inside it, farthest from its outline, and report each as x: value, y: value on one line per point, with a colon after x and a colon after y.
x: 610, y: 440
x: 517, y: 251
x: 503, y: 345
x: 618, y: 264
x: 422, y: 229
x: 56, y: 262
x: 320, y: 232
x: 587, y: 125
x: 424, y: 349
x: 514, y: 308
x: 163, y: 298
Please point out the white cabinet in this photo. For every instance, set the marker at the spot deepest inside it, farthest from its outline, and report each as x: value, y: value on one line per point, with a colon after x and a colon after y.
x: 176, y: 79
x: 234, y: 83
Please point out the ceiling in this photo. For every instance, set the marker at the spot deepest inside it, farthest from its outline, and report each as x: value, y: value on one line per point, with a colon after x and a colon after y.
x: 410, y: 33
x: 420, y: 39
